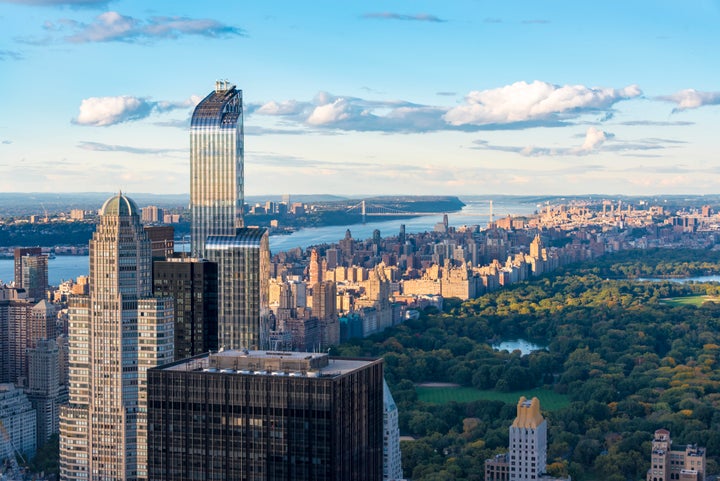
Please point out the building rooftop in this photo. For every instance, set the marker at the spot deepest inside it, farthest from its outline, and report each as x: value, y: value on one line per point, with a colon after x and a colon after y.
x: 528, y: 414
x: 270, y: 363
x: 120, y: 205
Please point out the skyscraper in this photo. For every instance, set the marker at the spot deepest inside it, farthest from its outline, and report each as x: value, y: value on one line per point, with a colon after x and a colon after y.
x: 243, y: 262
x: 217, y: 233
x: 101, y: 430
x: 34, y: 275
x: 193, y: 283
x: 216, y: 166
x: 266, y: 416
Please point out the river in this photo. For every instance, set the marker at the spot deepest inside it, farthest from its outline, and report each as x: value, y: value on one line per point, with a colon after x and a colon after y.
x: 475, y: 212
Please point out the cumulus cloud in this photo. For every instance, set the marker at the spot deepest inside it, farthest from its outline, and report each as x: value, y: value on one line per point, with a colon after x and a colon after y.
x: 594, y: 138
x: 105, y: 111
x: 420, y: 17
x: 113, y: 27
x: 522, y: 101
x: 289, y: 107
x: 692, y: 99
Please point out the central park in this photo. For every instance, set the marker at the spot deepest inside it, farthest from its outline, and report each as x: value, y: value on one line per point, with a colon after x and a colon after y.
x: 624, y: 357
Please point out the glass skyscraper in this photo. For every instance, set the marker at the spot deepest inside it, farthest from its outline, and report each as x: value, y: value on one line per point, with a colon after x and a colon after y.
x: 216, y: 166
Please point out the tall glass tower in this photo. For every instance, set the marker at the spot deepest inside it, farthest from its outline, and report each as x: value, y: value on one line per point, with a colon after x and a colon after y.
x: 216, y: 166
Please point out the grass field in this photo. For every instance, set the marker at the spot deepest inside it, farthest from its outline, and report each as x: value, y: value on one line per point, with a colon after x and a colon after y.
x: 690, y: 300
x: 549, y: 400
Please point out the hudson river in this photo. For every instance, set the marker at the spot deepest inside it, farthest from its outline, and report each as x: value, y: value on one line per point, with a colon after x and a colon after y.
x: 476, y: 212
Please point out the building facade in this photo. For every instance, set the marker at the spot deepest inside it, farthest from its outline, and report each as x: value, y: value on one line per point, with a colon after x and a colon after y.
x: 216, y: 166
x: 193, y: 283
x: 111, y: 345
x: 243, y: 264
x: 683, y: 462
x: 257, y: 415
x: 17, y: 419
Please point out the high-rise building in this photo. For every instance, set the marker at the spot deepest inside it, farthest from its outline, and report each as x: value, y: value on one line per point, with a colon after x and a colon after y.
x: 216, y: 166
x: 162, y: 241
x: 193, y: 284
x: 113, y: 340
x: 34, y: 276
x: 44, y: 391
x: 257, y: 415
x: 392, y: 464
x: 19, y: 253
x: 526, y: 459
x: 243, y: 263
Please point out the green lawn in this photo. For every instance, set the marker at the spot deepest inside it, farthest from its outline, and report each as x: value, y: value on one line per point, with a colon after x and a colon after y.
x: 549, y: 400
x: 689, y: 300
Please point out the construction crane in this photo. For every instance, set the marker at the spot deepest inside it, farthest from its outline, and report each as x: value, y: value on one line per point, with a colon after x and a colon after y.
x: 9, y: 451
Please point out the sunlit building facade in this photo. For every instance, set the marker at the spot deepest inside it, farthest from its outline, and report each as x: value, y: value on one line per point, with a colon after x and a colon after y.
x: 216, y: 166
x: 243, y: 267
x: 114, y: 339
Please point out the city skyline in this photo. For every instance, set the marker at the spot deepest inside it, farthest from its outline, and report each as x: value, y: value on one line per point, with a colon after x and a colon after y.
x: 459, y: 98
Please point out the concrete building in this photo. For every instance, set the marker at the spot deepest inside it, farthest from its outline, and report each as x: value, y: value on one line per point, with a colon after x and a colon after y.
x: 114, y: 335
x: 668, y: 462
x: 258, y: 415
x: 44, y: 390
x: 17, y: 418
x: 526, y: 459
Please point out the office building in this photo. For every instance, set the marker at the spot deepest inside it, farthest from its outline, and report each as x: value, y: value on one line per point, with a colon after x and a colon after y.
x: 257, y: 415
x: 193, y: 284
x: 682, y: 462
x: 114, y: 336
x: 18, y: 254
x: 216, y: 166
x: 243, y: 266
x: 33, y: 275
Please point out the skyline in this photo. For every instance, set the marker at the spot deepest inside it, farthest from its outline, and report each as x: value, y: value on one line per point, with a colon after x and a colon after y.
x: 423, y: 98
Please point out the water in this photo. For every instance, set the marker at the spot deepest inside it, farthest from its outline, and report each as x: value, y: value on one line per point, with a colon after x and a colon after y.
x: 60, y: 269
x: 525, y: 347
x: 476, y: 212
x: 681, y: 280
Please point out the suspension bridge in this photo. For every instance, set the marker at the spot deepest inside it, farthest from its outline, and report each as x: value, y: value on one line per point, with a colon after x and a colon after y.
x: 365, y: 208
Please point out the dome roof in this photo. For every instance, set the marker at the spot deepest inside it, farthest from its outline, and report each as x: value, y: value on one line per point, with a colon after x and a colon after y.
x: 120, y: 205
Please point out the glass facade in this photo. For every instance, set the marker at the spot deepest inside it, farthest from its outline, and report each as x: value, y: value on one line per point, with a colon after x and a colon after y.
x: 216, y: 166
x: 243, y: 263
x: 211, y: 424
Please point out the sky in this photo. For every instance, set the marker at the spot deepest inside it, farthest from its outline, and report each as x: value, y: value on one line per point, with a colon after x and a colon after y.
x: 367, y: 97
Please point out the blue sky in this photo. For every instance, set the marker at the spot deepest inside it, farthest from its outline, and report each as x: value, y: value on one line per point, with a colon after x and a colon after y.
x: 366, y: 97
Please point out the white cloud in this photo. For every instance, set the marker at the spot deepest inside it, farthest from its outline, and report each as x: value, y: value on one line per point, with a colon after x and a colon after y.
x: 594, y: 138
x: 336, y: 111
x: 692, y: 99
x: 289, y: 107
x: 113, y: 26
x: 105, y: 111
x: 522, y: 102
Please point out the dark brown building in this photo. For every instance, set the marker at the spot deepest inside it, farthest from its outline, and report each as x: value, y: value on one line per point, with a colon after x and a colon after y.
x: 193, y: 284
x: 267, y: 416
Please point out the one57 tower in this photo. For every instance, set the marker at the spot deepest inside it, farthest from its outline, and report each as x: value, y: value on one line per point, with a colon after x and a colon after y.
x: 216, y: 166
